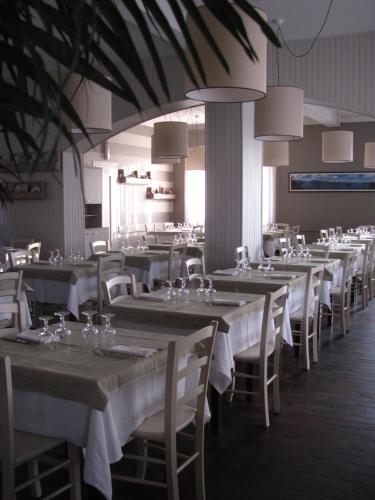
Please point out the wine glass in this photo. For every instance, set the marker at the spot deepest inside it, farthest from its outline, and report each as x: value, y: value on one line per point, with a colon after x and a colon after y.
x: 62, y: 330
x: 201, y: 291
x: 51, y: 259
x: 171, y: 294
x: 45, y: 335
x: 182, y: 291
x: 210, y: 292
x: 89, y: 330
x: 108, y: 332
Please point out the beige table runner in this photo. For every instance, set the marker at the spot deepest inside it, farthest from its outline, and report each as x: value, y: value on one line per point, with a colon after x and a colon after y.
x: 66, y: 273
x: 191, y: 315
x: 76, y: 373
x: 257, y: 282
x: 143, y: 260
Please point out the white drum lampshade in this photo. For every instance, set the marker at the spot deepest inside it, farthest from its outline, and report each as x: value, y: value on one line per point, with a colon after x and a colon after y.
x: 161, y: 159
x: 337, y: 146
x: 170, y: 140
x: 247, y: 79
x: 369, y: 155
x: 92, y: 103
x: 279, y: 116
x: 275, y: 154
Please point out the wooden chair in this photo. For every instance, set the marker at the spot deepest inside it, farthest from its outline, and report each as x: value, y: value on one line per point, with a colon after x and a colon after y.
x: 331, y: 231
x: 19, y: 448
x: 109, y: 266
x: 18, y: 322
x: 242, y: 252
x: 265, y: 354
x: 339, y: 230
x: 284, y: 245
x: 20, y: 258
x: 149, y: 227
x: 176, y: 259
x: 194, y: 268
x: 122, y: 284
x: 180, y: 411
x: 34, y: 249
x: 340, y: 295
x: 360, y: 284
x: 99, y: 247
x: 323, y: 233
x: 300, y: 240
x: 305, y: 321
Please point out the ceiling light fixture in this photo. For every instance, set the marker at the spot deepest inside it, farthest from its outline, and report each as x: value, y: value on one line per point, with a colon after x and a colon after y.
x: 337, y: 146
x: 170, y: 140
x: 247, y: 79
x: 275, y: 154
x: 369, y: 161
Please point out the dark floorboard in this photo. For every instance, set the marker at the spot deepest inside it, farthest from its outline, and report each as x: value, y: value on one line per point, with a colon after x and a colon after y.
x: 322, y: 446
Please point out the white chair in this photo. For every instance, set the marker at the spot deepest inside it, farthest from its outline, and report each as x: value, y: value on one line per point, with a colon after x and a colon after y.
x: 188, y: 363
x: 194, y: 268
x: 323, y: 233
x: 116, y: 288
x: 339, y: 230
x: 265, y: 354
x: 99, y: 247
x: 34, y: 249
x: 242, y: 252
x: 20, y: 257
x: 109, y: 266
x: 19, y: 448
x: 340, y: 295
x: 360, y: 283
x: 17, y: 323
x: 305, y: 321
x: 300, y: 240
x: 176, y: 259
x: 331, y: 231
x: 284, y: 245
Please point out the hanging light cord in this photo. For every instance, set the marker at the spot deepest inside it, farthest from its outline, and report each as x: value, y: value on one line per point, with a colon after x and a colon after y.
x: 303, y: 54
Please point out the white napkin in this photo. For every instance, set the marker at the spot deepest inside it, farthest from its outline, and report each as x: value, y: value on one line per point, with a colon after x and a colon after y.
x: 227, y: 302
x: 139, y: 352
x: 226, y: 272
x: 33, y: 336
x: 152, y: 296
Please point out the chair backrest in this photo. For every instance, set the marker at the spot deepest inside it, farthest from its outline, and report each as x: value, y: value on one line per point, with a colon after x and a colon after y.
x: 339, y: 230
x: 273, y: 317
x: 18, y: 314
x: 149, y: 227
x: 177, y: 255
x: 323, y: 233
x: 20, y: 257
x: 169, y: 225
x: 149, y: 239
x: 109, y: 266
x: 300, y: 239
x: 99, y: 247
x: 312, y: 296
x: 331, y: 231
x: 10, y: 284
x: 122, y: 284
x: 284, y: 244
x: 189, y: 360
x: 242, y: 252
x: 296, y: 229
x: 365, y: 260
x: 194, y: 268
x: 34, y: 248
x: 7, y: 419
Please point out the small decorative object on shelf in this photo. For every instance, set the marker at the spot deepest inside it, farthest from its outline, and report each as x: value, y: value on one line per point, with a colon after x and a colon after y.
x: 161, y: 193
x: 28, y: 190
x: 133, y: 177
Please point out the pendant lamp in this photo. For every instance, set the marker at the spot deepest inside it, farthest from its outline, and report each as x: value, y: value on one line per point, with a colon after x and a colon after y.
x: 279, y: 116
x: 161, y: 159
x: 247, y: 79
x: 275, y: 154
x: 92, y: 103
x: 337, y: 146
x: 369, y: 155
x: 170, y: 140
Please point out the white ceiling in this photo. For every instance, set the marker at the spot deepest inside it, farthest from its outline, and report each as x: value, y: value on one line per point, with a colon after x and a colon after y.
x: 303, y: 18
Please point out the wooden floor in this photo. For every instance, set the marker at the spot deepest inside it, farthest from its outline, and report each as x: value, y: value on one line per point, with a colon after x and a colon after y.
x: 322, y: 446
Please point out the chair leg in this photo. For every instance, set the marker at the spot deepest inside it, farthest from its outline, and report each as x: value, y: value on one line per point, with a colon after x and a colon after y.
x: 315, y: 348
x: 171, y: 470
x: 343, y: 318
x: 74, y: 471
x: 305, y: 346
x: 142, y: 450
x: 33, y: 471
x: 199, y: 467
x: 264, y: 397
x: 276, y: 395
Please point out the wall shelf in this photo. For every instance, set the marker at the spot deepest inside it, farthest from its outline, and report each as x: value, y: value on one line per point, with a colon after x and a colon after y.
x: 161, y: 196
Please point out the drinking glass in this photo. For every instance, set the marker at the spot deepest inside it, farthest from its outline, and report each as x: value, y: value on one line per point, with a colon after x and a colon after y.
x: 89, y: 330
x: 51, y: 259
x: 62, y: 330
x: 182, y: 291
x: 45, y: 334
x: 108, y: 332
x: 171, y: 294
x: 284, y: 253
x: 201, y: 291
x: 210, y: 292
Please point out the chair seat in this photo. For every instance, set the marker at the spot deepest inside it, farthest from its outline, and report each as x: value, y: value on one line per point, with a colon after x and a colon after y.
x: 153, y: 427
x: 252, y: 354
x: 29, y: 446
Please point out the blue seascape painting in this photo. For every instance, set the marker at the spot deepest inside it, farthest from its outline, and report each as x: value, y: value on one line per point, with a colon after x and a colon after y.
x: 333, y: 181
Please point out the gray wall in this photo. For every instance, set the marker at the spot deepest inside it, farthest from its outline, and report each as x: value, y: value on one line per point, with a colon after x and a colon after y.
x: 320, y: 210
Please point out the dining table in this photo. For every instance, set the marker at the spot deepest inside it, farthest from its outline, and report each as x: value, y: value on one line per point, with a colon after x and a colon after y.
x: 193, y: 249
x: 67, y: 284
x: 87, y: 393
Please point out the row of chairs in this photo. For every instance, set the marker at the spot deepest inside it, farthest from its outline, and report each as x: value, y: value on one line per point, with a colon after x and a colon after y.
x: 23, y: 256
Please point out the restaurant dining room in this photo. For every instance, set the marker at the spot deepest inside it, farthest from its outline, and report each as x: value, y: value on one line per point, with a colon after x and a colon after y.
x: 187, y: 250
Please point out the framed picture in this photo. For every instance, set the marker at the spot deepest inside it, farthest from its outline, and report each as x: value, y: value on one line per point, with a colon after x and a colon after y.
x: 331, y: 181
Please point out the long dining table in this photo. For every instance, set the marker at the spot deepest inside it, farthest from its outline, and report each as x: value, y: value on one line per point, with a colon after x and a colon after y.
x: 86, y: 395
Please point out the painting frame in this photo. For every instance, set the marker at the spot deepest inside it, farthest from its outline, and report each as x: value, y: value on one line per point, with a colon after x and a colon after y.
x: 331, y: 182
